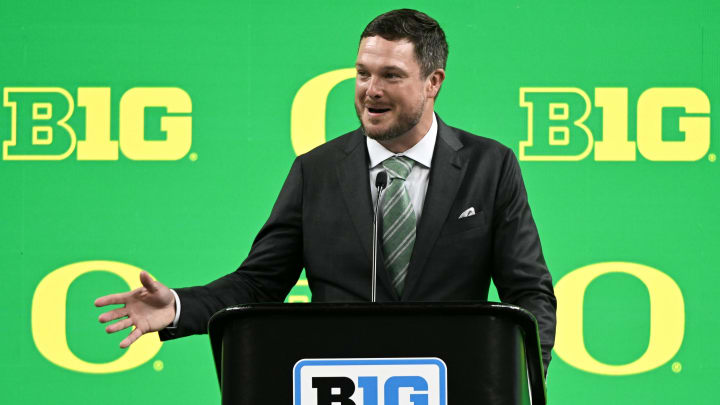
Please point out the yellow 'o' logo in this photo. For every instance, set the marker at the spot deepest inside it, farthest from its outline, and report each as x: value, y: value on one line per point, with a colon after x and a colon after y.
x: 48, y: 319
x: 667, y: 318
x: 307, y: 116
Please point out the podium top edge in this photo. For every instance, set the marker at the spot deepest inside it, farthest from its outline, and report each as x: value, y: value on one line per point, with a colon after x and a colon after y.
x: 367, y: 308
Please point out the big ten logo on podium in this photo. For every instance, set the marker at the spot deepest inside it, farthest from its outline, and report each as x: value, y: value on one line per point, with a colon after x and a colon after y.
x: 673, y: 124
x: 39, y: 127
x: 405, y: 381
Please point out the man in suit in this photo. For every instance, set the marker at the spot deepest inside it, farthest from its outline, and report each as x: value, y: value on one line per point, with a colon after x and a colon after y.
x: 455, y: 213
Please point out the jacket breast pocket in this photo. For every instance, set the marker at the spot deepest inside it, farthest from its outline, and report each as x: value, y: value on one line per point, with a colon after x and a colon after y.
x: 456, y: 225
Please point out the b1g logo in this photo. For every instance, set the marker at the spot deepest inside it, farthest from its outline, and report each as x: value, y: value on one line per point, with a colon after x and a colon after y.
x: 39, y: 128
x: 411, y: 381
x: 673, y: 124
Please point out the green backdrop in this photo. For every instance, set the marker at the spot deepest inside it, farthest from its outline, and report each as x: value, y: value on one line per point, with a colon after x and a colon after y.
x: 630, y: 237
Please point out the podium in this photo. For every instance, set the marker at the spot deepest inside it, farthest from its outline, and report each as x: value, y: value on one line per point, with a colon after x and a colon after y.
x: 383, y: 353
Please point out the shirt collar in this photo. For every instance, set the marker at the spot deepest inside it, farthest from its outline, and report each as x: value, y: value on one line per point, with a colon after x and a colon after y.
x: 421, y: 152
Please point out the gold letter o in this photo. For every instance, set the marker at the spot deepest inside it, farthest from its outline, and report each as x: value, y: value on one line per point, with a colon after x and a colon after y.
x: 307, y: 116
x: 48, y: 319
x: 667, y: 318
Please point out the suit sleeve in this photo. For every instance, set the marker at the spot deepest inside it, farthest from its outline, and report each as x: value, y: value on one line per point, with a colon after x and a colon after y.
x: 271, y: 269
x: 519, y: 271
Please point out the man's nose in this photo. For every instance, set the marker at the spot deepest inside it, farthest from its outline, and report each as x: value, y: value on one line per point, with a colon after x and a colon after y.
x: 374, y: 88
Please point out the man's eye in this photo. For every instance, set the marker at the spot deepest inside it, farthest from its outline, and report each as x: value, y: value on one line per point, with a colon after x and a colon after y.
x: 392, y: 75
x: 362, y: 73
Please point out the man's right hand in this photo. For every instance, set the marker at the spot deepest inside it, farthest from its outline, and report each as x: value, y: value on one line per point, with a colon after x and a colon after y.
x: 149, y: 308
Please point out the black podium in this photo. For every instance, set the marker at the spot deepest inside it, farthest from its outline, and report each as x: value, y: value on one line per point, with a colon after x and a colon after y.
x: 370, y: 354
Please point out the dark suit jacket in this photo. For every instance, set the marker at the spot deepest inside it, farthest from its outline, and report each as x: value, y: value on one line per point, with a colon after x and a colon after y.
x: 322, y: 221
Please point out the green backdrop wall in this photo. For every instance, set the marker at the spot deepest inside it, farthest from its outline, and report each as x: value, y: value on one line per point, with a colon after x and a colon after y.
x: 180, y: 132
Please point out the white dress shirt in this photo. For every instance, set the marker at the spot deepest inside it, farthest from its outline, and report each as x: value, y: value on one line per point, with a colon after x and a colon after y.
x: 417, y: 181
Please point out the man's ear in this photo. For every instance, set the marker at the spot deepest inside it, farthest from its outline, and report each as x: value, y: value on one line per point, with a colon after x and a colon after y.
x: 434, y: 82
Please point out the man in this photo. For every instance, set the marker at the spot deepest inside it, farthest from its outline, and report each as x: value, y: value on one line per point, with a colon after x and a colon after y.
x: 455, y: 212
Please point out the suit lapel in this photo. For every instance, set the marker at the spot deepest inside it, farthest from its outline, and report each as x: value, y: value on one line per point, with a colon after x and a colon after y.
x: 446, y: 175
x: 352, y: 174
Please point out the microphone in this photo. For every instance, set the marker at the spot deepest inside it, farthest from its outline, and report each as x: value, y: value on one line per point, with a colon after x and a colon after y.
x: 380, y: 183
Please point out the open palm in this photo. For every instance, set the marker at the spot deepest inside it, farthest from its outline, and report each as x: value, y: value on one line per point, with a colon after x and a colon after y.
x: 149, y: 308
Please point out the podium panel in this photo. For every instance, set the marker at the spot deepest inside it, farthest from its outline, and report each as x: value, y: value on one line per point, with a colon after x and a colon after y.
x: 377, y: 354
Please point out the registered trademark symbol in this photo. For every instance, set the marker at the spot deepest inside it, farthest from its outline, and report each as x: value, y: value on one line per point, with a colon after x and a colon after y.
x: 712, y: 157
x: 193, y: 157
x: 676, y: 367
x: 158, y: 365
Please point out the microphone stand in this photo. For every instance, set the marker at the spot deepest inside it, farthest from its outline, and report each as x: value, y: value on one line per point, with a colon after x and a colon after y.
x: 380, y: 183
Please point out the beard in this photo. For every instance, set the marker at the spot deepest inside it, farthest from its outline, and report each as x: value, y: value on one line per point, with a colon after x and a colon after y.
x: 403, y: 123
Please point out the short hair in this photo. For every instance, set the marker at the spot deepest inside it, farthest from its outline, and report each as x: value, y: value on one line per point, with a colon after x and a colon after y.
x: 431, y: 48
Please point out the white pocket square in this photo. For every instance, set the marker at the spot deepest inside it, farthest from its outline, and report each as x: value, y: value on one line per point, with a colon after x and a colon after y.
x: 467, y: 213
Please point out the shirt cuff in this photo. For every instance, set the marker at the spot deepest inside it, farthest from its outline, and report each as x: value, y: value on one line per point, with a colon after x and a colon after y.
x: 177, y: 309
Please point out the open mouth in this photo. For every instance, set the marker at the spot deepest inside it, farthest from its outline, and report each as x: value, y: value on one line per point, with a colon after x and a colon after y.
x: 373, y: 110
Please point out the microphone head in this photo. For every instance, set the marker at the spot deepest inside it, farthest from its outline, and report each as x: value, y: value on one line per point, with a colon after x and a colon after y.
x: 381, y: 180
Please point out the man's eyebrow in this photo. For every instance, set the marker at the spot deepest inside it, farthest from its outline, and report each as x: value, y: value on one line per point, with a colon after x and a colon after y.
x: 389, y: 67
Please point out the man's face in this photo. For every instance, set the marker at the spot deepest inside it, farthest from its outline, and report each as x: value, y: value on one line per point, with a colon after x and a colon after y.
x: 390, y: 93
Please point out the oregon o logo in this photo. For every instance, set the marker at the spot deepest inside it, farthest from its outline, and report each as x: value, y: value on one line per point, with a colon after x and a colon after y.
x: 307, y: 116
x: 48, y: 319
x: 667, y: 318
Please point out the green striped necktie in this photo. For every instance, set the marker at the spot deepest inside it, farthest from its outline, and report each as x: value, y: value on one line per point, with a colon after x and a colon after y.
x: 398, y: 221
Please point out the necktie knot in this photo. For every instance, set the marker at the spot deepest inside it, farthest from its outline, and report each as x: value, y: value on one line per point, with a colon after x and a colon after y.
x: 398, y: 167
